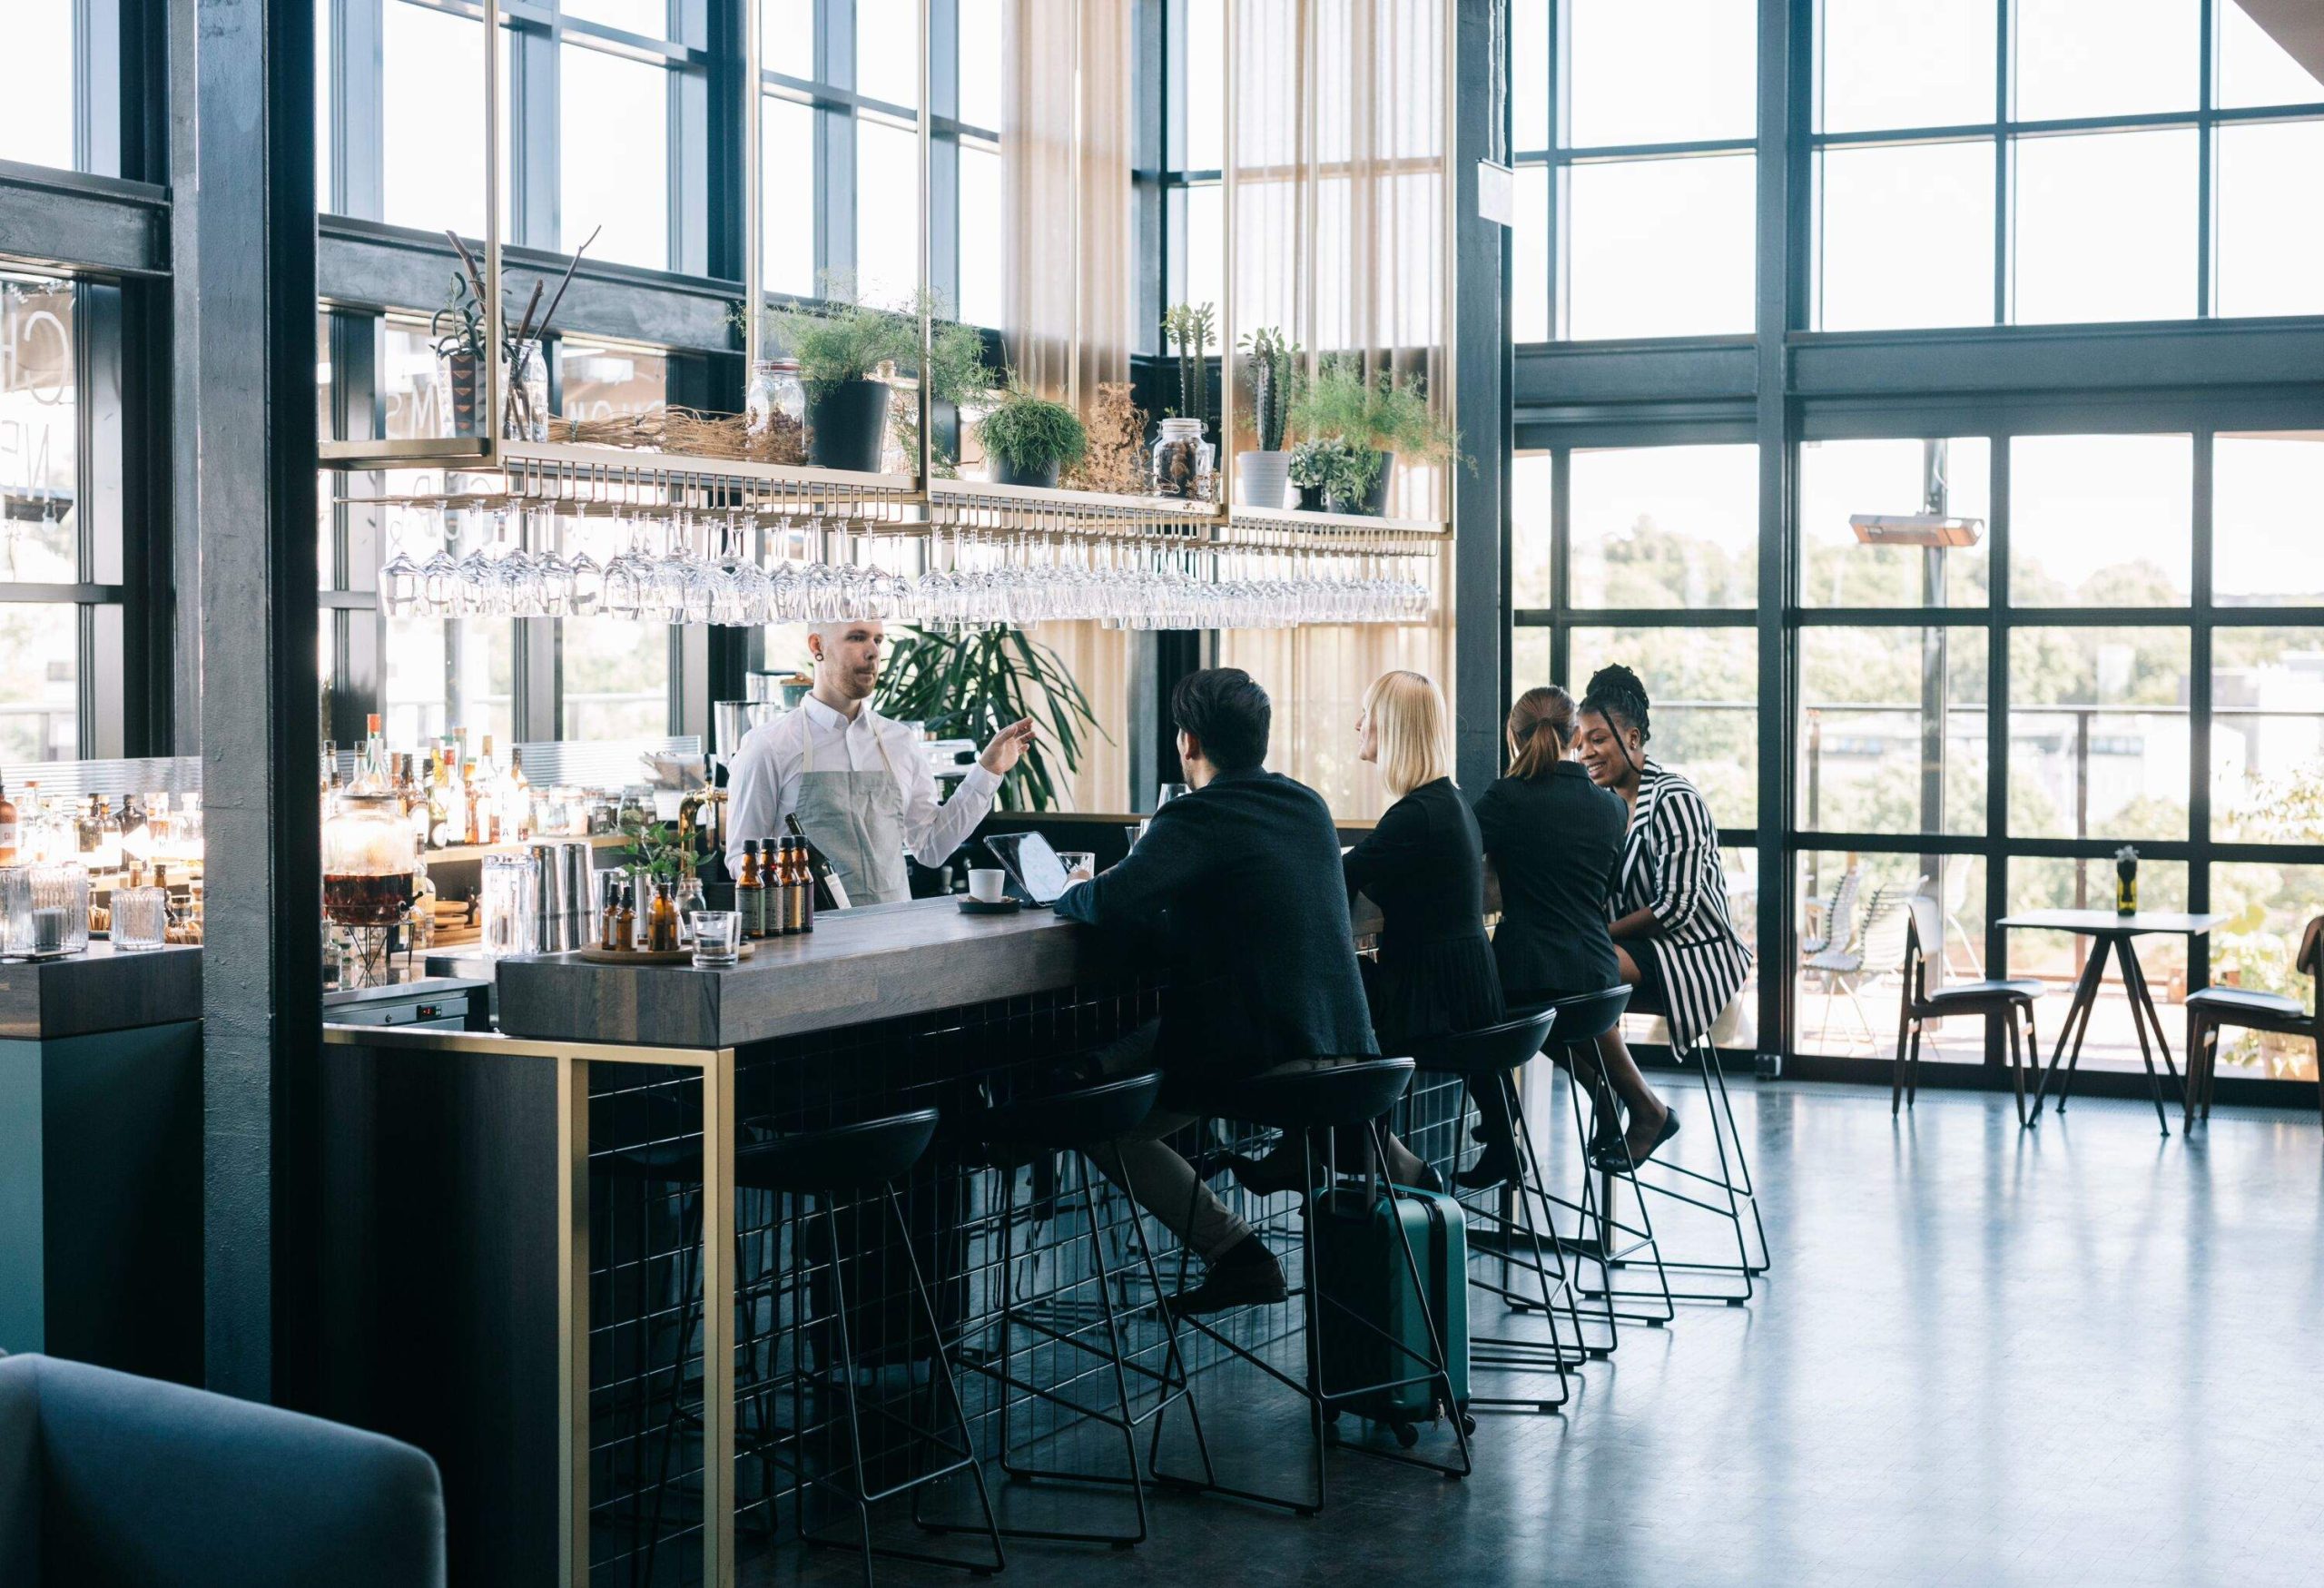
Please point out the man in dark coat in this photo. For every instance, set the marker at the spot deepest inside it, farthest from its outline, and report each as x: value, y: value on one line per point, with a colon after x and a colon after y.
x: 1240, y: 879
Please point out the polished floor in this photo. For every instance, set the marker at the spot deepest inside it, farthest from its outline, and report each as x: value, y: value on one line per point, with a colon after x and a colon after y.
x: 2082, y: 1353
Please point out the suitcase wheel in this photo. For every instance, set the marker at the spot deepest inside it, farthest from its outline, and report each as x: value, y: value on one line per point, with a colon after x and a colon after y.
x: 1468, y: 1424
x: 1406, y: 1435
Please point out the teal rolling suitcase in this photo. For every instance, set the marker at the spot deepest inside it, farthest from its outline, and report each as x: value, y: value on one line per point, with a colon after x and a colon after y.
x: 1370, y: 1328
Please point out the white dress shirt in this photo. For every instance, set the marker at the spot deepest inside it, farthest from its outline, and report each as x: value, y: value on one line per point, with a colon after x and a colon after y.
x: 763, y: 784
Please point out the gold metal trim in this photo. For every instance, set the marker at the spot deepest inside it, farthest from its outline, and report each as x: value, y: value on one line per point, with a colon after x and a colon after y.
x: 718, y: 1278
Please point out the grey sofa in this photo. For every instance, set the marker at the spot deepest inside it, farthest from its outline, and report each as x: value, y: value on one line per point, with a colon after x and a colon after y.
x: 109, y: 1481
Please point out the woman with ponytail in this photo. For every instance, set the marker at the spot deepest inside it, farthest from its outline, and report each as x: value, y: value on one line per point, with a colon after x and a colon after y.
x: 1552, y: 836
x: 1670, y: 928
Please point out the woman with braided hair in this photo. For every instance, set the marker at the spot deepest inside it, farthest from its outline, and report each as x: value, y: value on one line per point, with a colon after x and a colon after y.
x: 1672, y: 937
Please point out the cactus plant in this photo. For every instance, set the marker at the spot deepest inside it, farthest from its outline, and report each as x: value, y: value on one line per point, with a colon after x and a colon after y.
x: 1189, y: 328
x: 1270, y: 362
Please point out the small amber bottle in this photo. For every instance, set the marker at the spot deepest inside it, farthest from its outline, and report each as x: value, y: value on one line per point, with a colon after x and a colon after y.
x: 662, y: 920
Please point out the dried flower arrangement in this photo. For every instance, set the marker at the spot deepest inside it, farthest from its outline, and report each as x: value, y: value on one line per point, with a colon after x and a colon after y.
x: 1115, y: 461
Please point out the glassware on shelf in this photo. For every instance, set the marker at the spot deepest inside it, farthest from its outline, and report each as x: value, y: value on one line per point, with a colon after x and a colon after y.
x: 1183, y: 461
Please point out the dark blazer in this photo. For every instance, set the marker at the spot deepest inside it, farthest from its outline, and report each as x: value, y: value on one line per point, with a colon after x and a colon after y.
x: 1242, y: 878
x: 1554, y: 840
x: 1424, y: 866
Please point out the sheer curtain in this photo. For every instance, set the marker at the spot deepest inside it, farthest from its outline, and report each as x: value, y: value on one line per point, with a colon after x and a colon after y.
x: 1339, y: 159
x: 1070, y: 283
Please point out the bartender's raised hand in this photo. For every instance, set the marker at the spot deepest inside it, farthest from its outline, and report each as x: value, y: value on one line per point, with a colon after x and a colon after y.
x: 1007, y: 749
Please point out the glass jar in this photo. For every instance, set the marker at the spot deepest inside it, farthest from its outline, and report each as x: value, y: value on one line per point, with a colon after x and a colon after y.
x: 140, y: 919
x: 510, y: 889
x: 57, y: 920
x: 369, y: 853
x: 774, y: 413
x: 1183, y: 460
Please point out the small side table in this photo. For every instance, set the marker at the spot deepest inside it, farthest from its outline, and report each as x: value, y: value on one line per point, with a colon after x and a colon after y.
x: 2112, y: 935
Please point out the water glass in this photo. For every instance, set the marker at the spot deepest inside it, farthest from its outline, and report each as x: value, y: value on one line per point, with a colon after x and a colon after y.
x: 140, y: 919
x: 717, y: 937
x: 1080, y: 864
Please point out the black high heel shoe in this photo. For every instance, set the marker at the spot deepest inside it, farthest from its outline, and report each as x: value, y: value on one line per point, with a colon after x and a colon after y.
x: 1617, y: 1158
x: 1495, y: 1166
x: 1271, y: 1176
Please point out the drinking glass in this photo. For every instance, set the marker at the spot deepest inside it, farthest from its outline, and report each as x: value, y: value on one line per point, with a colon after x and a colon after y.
x: 1167, y: 793
x: 717, y: 934
x: 140, y: 919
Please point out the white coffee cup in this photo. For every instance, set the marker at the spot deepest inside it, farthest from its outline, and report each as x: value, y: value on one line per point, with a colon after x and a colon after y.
x: 986, y: 886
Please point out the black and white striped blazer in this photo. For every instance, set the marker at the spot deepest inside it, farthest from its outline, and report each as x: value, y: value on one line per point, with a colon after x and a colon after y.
x: 1669, y: 865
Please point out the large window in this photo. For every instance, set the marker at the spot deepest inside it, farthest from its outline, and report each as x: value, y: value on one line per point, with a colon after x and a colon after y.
x: 1636, y: 138
x: 840, y: 162
x: 60, y: 527
x: 37, y: 113
x: 1647, y: 556
x: 1912, y: 776
x: 2034, y: 162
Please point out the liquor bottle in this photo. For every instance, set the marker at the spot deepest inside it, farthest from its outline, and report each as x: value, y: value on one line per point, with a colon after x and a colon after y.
x: 750, y: 893
x: 30, y: 836
x: 778, y: 888
x: 517, y: 816
x: 829, y: 892
x: 439, y: 804
x: 8, y: 826
x: 661, y: 919
x: 85, y: 828
x: 475, y: 816
x: 803, y: 868
x: 328, y: 783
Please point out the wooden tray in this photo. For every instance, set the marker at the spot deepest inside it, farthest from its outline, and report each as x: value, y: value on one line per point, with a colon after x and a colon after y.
x: 604, y: 956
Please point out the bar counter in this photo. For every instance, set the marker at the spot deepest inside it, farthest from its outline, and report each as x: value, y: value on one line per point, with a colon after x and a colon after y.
x: 495, y: 1210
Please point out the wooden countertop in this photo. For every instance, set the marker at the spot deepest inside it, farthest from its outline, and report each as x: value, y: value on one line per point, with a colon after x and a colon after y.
x: 101, y: 989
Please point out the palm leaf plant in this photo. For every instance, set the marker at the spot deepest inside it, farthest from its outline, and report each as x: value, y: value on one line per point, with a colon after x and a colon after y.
x: 972, y: 685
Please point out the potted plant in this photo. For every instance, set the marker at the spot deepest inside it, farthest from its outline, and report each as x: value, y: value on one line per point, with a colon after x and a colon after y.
x: 1029, y: 438
x: 842, y: 349
x: 1183, y: 454
x: 1309, y: 469
x: 460, y: 334
x: 1354, y: 476
x: 970, y: 685
x: 1269, y: 366
x: 1377, y: 413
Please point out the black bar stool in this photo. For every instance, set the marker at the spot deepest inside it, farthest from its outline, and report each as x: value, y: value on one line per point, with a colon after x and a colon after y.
x: 831, y: 1166
x: 1732, y: 1184
x: 1299, y: 1099
x: 1488, y: 1060
x: 1076, y: 1123
x: 1602, y: 1235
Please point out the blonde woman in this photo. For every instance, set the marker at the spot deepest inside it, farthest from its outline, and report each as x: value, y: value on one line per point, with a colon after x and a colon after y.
x: 1424, y: 865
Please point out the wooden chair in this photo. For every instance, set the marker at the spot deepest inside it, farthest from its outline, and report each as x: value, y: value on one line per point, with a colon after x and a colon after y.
x: 2212, y: 1008
x: 1925, y: 924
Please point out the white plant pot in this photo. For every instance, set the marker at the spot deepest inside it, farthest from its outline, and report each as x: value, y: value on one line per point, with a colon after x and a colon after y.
x: 1263, y: 476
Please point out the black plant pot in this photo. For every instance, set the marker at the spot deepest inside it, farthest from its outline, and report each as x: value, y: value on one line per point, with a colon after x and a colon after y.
x: 1311, y: 499
x: 1007, y: 473
x: 849, y: 428
x: 1375, y: 500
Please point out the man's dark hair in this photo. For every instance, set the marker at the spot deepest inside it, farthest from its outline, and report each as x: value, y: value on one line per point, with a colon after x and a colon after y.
x: 1228, y: 713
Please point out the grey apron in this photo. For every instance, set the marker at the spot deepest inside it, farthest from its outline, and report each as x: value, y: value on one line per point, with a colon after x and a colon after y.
x: 857, y: 820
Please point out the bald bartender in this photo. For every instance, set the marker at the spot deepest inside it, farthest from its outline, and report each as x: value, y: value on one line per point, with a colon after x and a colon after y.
x: 859, y: 783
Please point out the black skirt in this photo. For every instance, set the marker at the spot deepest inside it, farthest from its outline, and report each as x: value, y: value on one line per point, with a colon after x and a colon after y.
x: 1435, y: 988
